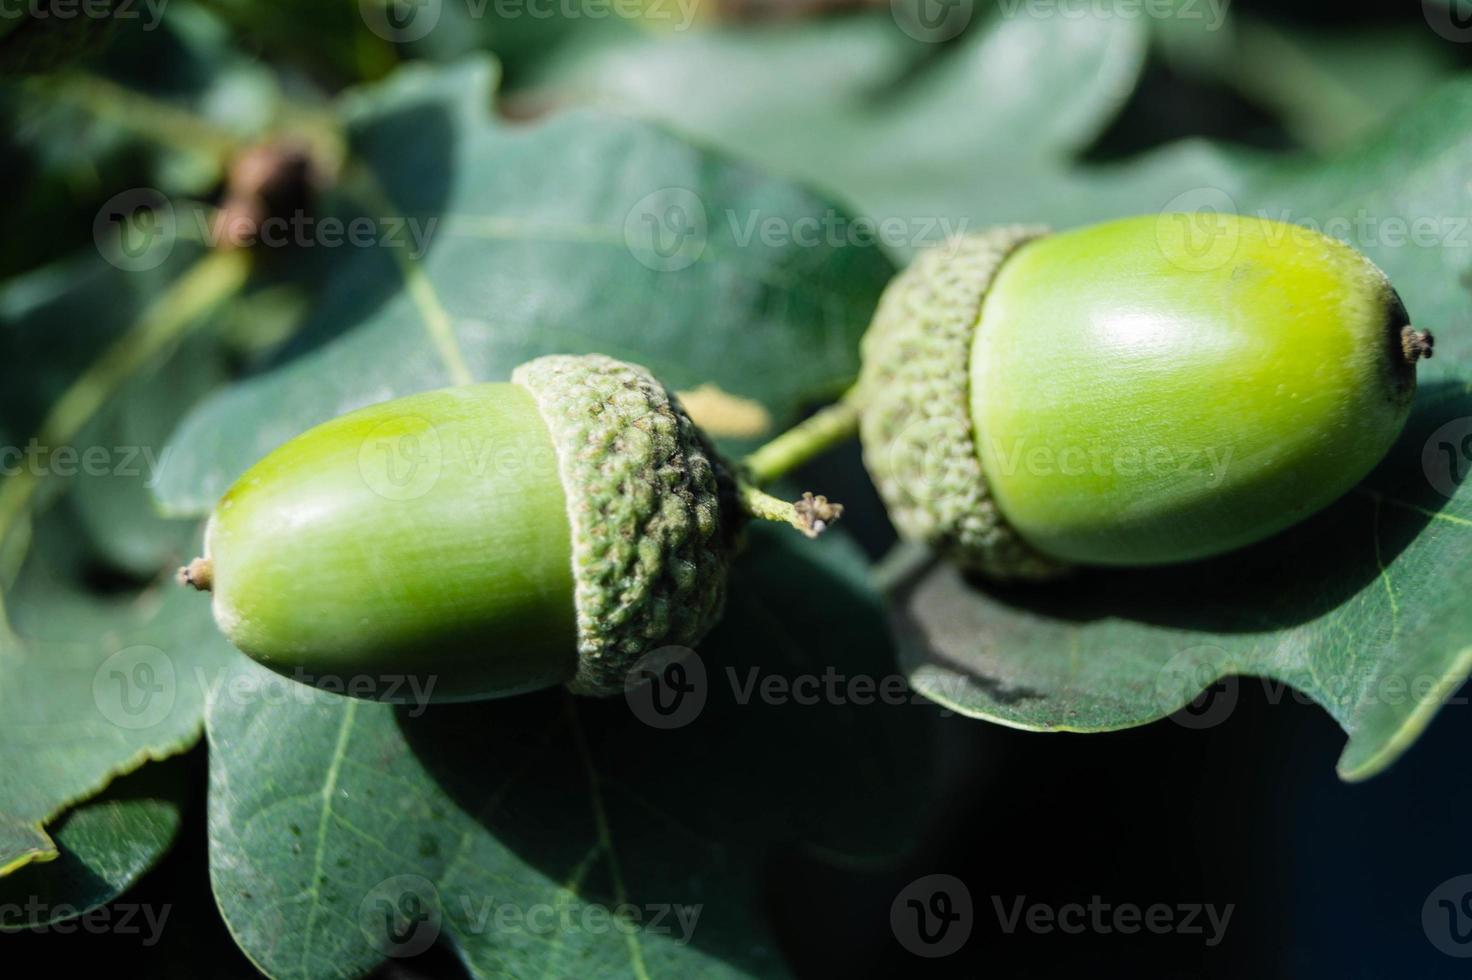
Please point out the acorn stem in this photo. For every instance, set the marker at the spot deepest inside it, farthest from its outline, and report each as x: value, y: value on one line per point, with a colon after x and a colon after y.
x: 811, y: 437
x: 199, y: 573
x: 811, y: 515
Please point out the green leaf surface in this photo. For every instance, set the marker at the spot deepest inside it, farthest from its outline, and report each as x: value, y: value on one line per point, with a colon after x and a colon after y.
x: 103, y: 663
x: 1363, y: 608
x: 105, y: 845
x: 944, y: 138
x: 342, y: 832
x: 582, y: 233
x: 90, y: 690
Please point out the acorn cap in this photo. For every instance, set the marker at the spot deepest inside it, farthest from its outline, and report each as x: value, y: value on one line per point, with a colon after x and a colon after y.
x: 651, y: 506
x: 916, y: 428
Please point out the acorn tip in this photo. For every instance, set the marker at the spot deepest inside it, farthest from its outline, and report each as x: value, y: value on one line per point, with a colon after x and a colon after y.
x: 816, y: 513
x: 198, y: 574
x: 1416, y: 344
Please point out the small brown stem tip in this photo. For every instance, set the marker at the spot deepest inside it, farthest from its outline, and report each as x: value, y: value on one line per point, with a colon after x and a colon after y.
x: 811, y: 515
x: 1416, y: 344
x: 816, y: 513
x: 200, y: 574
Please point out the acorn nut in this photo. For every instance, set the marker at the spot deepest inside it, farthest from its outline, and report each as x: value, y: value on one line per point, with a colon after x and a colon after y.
x: 493, y: 538
x: 1149, y: 390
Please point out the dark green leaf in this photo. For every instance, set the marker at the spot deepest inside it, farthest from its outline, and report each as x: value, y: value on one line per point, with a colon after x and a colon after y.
x: 103, y: 663
x: 945, y: 138
x: 106, y: 845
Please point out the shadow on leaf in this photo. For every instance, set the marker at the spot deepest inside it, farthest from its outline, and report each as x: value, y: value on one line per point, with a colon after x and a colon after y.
x: 773, y: 755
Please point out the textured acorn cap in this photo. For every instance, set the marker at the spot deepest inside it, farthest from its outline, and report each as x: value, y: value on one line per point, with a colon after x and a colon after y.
x: 918, y: 439
x: 651, y: 506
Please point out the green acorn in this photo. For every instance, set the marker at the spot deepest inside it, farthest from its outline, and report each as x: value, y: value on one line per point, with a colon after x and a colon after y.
x: 495, y: 538
x: 1150, y: 390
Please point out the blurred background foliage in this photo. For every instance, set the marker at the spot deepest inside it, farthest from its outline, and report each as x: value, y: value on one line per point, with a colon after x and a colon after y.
x: 1257, y: 74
